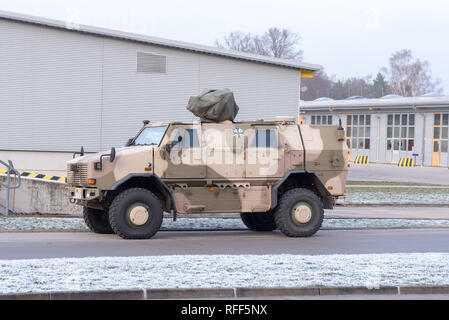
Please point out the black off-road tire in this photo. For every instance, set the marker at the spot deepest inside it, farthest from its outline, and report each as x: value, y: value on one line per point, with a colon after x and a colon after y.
x: 256, y: 221
x: 284, y: 217
x: 118, y: 214
x: 97, y: 220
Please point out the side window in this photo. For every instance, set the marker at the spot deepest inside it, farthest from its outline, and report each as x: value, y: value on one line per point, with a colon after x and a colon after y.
x: 265, y: 139
x: 193, y: 141
x: 189, y: 138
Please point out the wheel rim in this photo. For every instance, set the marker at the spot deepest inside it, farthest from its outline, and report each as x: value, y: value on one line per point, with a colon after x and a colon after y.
x: 301, y: 213
x: 137, y: 215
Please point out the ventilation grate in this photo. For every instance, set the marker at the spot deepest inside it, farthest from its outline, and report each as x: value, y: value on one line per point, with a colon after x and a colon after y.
x: 151, y: 63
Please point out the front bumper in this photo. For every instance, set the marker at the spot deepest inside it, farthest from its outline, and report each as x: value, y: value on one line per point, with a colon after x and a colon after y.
x: 77, y: 194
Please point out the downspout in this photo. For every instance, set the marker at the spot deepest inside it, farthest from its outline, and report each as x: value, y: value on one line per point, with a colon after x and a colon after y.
x: 378, y: 138
x: 423, y: 147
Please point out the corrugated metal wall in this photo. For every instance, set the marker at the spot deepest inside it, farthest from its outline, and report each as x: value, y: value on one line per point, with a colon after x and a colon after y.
x: 60, y: 90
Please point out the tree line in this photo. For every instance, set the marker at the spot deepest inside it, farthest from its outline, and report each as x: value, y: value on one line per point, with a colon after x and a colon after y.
x: 405, y: 75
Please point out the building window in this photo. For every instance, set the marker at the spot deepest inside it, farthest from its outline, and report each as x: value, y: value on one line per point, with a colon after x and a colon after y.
x: 322, y: 120
x: 440, y: 132
x: 358, y: 131
x: 401, y: 132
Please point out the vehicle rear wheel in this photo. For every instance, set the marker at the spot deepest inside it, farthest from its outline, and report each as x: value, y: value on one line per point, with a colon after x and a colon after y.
x: 97, y: 221
x: 136, y: 213
x: 257, y: 221
x: 300, y: 213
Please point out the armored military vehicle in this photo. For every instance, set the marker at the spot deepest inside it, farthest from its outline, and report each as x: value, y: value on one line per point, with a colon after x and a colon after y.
x: 276, y: 174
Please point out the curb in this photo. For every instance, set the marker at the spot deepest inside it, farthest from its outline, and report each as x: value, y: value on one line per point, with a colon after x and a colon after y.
x: 79, y: 295
x: 224, y: 293
x: 158, y: 294
x: 359, y: 291
x: 393, y: 187
x: 397, y: 205
x: 275, y: 292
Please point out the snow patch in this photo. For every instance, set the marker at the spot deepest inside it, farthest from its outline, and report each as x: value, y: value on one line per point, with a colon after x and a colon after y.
x: 77, y: 224
x: 224, y: 271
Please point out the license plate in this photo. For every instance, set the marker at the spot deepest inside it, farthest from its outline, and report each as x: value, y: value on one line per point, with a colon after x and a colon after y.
x: 78, y: 194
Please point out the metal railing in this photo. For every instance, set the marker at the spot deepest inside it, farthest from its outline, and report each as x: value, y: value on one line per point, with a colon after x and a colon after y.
x: 8, y: 186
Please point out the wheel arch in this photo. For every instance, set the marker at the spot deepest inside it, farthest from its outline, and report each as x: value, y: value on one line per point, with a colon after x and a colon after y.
x: 150, y: 182
x: 302, y: 179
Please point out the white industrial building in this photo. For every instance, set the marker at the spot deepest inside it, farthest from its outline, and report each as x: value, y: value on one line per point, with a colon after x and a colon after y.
x: 63, y: 86
x: 389, y: 129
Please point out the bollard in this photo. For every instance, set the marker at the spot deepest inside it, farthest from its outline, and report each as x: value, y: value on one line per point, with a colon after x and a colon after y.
x: 8, y: 185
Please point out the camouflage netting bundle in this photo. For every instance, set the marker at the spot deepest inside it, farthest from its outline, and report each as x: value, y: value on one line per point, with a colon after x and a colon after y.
x: 214, y: 105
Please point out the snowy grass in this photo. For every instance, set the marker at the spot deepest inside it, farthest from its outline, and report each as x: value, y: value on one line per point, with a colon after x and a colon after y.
x: 77, y: 224
x: 396, y: 196
x: 354, y: 183
x: 383, y: 223
x: 41, y: 224
x: 224, y: 271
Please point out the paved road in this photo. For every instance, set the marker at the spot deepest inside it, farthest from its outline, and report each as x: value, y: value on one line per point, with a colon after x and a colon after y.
x: 386, y: 172
x: 52, y: 245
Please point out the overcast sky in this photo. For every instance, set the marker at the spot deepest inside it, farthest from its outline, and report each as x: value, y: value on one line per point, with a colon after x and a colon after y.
x: 348, y: 37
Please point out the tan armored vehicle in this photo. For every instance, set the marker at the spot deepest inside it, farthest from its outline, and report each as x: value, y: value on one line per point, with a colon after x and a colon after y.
x: 277, y: 175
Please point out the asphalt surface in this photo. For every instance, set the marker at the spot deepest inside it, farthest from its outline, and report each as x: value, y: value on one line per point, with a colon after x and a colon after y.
x: 58, y: 245
x: 393, y: 173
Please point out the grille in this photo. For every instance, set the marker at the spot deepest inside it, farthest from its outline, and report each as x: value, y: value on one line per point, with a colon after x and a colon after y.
x: 79, y: 176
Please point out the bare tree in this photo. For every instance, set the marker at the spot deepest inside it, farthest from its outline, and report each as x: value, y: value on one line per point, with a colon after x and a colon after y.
x: 281, y: 43
x: 410, y: 77
x: 317, y: 87
x: 238, y: 41
x: 276, y: 42
x: 324, y: 86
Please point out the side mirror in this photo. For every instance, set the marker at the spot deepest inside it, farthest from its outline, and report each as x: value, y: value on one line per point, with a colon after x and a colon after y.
x: 129, y: 142
x: 112, y: 155
x: 170, y: 146
x: 340, y: 132
x: 81, y: 153
x: 99, y: 165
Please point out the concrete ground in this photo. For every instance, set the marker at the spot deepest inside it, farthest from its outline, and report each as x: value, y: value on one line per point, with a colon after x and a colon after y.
x: 58, y: 245
x: 388, y: 172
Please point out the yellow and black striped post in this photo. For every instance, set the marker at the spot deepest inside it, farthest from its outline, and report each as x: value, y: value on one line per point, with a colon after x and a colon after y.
x: 406, y: 162
x: 37, y: 176
x: 361, y: 160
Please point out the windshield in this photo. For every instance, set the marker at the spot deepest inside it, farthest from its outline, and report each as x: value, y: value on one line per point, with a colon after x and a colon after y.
x: 150, y: 136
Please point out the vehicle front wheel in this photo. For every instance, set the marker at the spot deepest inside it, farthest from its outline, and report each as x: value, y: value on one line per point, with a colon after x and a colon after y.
x: 300, y: 213
x: 97, y: 221
x: 257, y: 221
x: 136, y: 213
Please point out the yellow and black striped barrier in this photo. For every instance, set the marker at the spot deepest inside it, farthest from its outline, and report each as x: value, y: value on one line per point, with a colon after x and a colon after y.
x: 37, y: 176
x: 361, y: 160
x: 406, y: 162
